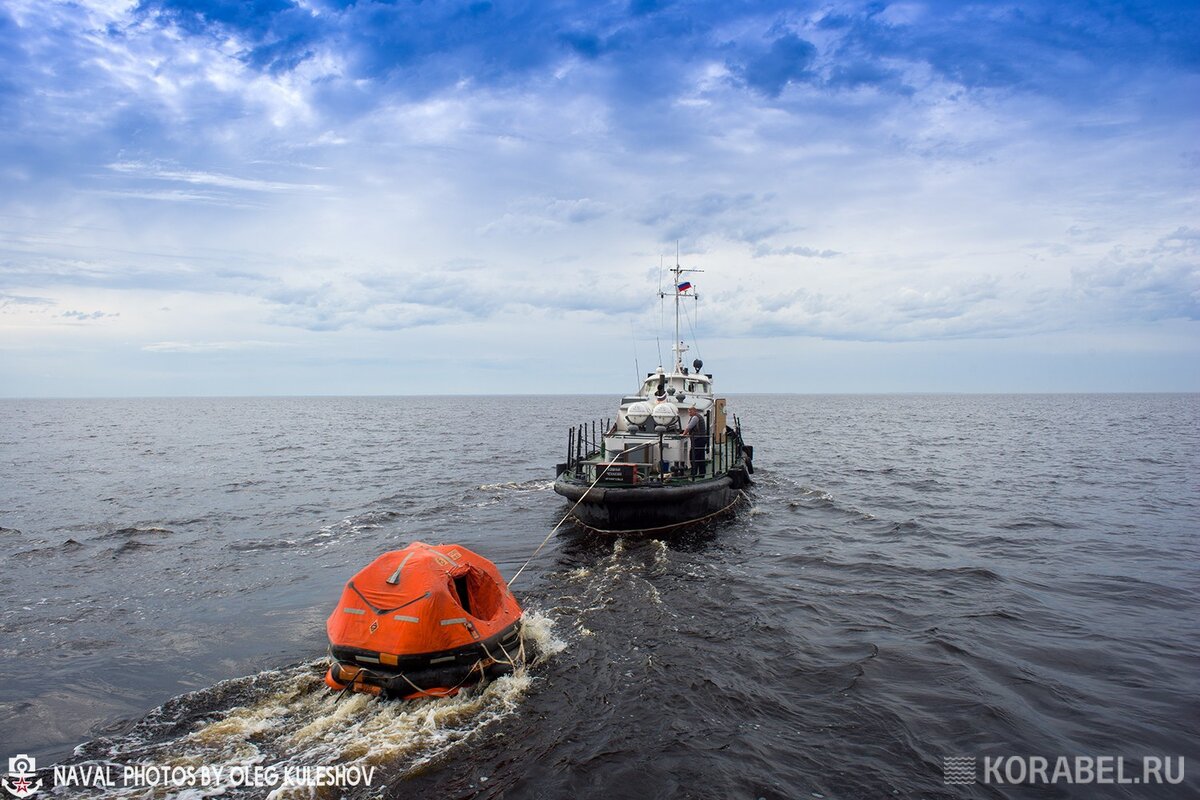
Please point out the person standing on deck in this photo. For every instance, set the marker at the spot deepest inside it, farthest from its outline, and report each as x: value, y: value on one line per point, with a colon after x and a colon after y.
x: 698, y: 431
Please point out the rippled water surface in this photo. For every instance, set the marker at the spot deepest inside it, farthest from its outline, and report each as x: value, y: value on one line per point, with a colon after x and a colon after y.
x: 914, y: 577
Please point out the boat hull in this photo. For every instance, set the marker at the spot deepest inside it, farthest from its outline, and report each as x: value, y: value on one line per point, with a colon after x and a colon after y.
x: 647, y: 507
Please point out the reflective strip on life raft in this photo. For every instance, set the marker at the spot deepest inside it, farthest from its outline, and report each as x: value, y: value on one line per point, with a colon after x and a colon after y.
x: 403, y: 618
x: 395, y: 578
x: 354, y: 611
x: 459, y: 621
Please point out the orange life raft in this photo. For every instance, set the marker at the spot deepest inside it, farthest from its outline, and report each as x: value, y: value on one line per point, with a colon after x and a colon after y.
x: 422, y: 621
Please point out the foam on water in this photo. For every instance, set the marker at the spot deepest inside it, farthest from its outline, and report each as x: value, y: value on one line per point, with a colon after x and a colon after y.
x: 538, y: 632
x: 518, y: 486
x: 289, y: 718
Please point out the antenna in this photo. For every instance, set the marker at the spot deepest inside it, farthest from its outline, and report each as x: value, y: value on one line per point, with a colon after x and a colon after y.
x: 637, y: 370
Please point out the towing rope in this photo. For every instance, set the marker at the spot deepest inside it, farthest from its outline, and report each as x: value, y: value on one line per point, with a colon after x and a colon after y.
x: 571, y: 515
x: 599, y: 474
x: 515, y: 663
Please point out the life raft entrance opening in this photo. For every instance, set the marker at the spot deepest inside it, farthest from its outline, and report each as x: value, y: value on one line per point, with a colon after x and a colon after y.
x: 460, y: 588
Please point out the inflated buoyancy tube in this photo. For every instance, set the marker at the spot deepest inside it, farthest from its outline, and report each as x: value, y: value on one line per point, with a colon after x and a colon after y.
x: 422, y: 621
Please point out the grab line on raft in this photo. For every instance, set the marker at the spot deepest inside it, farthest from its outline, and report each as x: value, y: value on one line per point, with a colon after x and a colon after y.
x: 478, y: 666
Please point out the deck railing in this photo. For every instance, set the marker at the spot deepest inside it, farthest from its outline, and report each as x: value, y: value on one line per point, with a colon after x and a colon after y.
x: 586, y: 441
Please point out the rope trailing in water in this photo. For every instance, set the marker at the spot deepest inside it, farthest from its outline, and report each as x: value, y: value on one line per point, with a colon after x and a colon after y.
x: 515, y: 663
x: 600, y: 474
x: 741, y: 496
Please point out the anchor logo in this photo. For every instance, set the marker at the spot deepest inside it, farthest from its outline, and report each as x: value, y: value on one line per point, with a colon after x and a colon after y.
x: 20, y: 770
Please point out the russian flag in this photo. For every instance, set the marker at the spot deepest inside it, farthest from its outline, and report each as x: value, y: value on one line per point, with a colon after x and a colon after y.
x: 683, y: 287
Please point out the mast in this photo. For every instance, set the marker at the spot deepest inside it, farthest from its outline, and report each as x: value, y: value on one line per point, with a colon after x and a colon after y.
x: 678, y: 348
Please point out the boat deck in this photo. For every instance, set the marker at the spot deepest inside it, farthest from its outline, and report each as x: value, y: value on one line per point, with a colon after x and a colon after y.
x: 722, y: 456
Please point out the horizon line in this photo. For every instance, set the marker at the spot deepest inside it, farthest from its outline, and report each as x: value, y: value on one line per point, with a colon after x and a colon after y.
x: 911, y: 393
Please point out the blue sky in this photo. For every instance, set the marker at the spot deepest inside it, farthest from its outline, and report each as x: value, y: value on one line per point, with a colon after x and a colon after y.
x: 320, y: 197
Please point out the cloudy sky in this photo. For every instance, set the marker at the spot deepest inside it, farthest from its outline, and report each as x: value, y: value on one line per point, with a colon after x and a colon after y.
x: 329, y: 197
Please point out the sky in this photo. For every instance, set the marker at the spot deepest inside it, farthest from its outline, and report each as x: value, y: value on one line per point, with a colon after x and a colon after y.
x: 286, y: 197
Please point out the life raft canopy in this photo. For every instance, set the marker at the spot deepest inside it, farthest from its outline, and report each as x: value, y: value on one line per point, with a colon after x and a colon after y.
x: 427, y: 615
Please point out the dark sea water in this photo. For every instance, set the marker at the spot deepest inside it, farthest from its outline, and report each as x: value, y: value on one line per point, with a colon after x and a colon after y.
x: 915, y: 577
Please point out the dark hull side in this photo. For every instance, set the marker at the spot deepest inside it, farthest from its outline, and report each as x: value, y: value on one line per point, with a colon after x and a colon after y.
x: 633, y: 508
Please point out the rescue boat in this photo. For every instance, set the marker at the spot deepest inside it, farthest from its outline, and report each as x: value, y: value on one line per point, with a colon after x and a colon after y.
x: 423, y: 622
x: 644, y: 471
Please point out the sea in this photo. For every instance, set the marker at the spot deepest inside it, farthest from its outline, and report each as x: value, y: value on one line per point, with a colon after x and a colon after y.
x: 922, y: 596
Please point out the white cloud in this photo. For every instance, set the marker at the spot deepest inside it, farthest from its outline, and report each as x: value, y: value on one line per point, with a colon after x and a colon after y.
x: 208, y: 347
x: 86, y: 316
x: 336, y: 203
x: 158, y: 172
